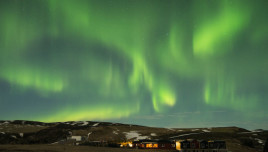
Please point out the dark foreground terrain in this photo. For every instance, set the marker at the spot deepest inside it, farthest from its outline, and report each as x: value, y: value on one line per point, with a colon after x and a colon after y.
x: 29, y: 136
x: 67, y: 148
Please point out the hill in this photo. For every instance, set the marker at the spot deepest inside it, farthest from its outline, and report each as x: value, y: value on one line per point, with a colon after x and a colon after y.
x: 31, y: 132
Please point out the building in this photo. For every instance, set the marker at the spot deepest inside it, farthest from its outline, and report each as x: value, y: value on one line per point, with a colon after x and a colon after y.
x: 148, y: 144
x: 166, y: 144
x: 192, y: 145
x: 154, y: 144
x: 203, y: 144
x: 189, y: 145
x: 182, y: 145
x: 127, y: 144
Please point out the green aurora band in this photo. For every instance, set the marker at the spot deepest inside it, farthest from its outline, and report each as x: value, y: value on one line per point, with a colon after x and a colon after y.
x: 123, y: 59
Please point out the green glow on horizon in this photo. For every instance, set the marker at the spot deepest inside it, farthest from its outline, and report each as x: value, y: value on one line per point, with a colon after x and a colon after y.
x: 92, y: 113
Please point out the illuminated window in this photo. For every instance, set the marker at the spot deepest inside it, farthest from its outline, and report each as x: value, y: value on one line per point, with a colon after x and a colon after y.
x: 149, y: 145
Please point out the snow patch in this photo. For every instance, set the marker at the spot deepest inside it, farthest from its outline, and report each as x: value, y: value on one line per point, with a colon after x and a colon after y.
x: 21, y: 134
x: 259, y: 141
x: 195, y: 129
x: 246, y: 132
x: 185, y: 135
x: 84, y: 123
x: 257, y: 130
x: 115, y: 132
x: 153, y: 134
x: 2, y: 133
x: 206, y: 130
x: 14, y: 136
x: 135, y: 134
x: 54, y: 143
x: 74, y: 123
x: 96, y: 124
x: 170, y: 129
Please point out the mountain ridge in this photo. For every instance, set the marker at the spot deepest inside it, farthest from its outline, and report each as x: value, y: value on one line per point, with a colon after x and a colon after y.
x: 35, y: 132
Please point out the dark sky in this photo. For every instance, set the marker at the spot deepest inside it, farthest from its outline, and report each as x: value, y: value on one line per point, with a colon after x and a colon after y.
x: 165, y: 63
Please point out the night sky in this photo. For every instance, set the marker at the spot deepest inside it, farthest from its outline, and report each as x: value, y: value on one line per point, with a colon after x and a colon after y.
x: 162, y: 63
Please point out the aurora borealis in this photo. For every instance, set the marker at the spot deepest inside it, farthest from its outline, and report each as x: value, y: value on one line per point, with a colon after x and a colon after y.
x: 166, y: 63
